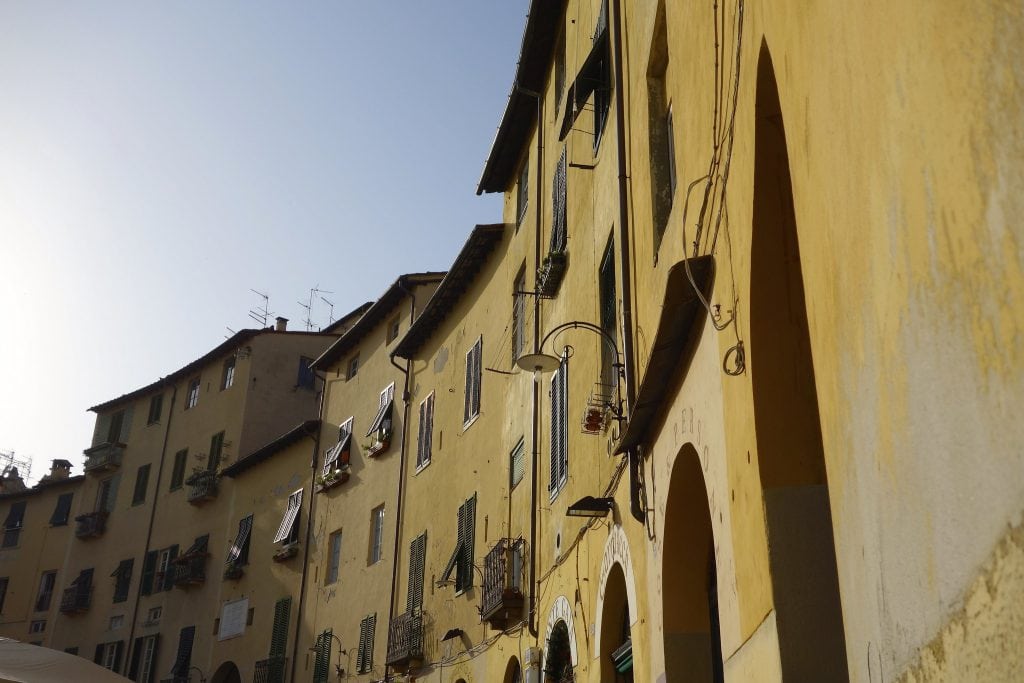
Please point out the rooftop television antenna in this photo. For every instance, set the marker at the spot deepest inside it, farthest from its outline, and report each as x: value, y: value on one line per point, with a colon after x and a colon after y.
x: 261, y: 315
x: 9, y: 461
x: 313, y: 293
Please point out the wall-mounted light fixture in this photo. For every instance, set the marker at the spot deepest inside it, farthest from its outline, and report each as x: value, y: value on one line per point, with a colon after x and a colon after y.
x: 589, y: 506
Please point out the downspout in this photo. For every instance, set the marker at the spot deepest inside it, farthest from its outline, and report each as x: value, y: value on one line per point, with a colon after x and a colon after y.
x: 406, y: 399
x: 635, y: 505
x: 149, y: 530
x: 309, y: 528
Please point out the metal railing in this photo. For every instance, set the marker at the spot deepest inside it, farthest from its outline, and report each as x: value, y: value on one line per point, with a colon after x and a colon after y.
x: 270, y: 670
x: 204, y: 486
x: 75, y: 599
x: 189, y: 570
x: 91, y: 524
x: 405, y: 638
x: 502, y: 589
x: 104, y: 456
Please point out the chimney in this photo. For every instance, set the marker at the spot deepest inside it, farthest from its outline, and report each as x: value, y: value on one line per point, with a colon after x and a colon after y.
x: 282, y: 324
x: 60, y: 469
x: 12, y: 482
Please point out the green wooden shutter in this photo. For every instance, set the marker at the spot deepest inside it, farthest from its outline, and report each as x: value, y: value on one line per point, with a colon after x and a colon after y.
x: 98, y: 656
x: 118, y: 653
x: 361, y: 657
x: 148, y: 569
x: 478, y: 375
x: 279, y: 632
x: 133, y: 667
x: 467, y: 404
x: 417, y: 560
x: 322, y: 659
x: 62, y: 511
x: 169, y: 572
x: 183, y: 660
x: 141, y: 483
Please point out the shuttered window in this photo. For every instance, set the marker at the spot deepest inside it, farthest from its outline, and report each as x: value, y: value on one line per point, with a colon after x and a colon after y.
x: 288, y: 531
x: 108, y: 655
x: 156, y: 407
x: 62, y: 512
x: 123, y: 579
x: 178, y: 473
x: 238, y: 555
x: 474, y: 370
x: 364, y: 660
x: 216, y: 449
x: 337, y: 456
x: 462, y: 558
x: 417, y: 562
x: 141, y: 483
x: 143, y: 664
x: 306, y: 378
x: 148, y: 570
x: 517, y: 464
x: 518, y: 315
x: 279, y: 631
x: 559, y: 429
x: 381, y: 425
x: 183, y: 659
x: 425, y: 441
x: 13, y: 524
x: 322, y: 658
x: 165, y: 573
x: 558, y: 216
x: 192, y: 397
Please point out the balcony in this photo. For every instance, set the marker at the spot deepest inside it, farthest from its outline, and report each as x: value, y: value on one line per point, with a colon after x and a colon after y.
x: 502, y: 601
x: 405, y: 640
x: 270, y: 670
x: 91, y: 524
x: 203, y: 485
x: 189, y: 570
x: 75, y: 600
x: 105, y: 456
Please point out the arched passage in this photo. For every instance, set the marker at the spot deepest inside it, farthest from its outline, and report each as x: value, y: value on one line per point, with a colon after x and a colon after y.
x: 616, y: 641
x: 226, y: 673
x: 558, y: 656
x: 513, y: 672
x: 790, y: 452
x: 693, y: 642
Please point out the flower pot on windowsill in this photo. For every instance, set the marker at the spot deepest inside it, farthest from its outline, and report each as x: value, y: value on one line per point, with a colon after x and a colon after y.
x: 380, y: 445
x: 331, y: 479
x: 286, y: 552
x: 550, y: 273
x: 233, y: 572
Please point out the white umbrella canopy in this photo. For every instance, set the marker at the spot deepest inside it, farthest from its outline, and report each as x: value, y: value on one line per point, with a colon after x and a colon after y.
x: 24, y: 663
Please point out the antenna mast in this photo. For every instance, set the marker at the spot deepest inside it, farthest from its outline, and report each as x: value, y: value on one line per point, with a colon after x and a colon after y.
x: 261, y: 315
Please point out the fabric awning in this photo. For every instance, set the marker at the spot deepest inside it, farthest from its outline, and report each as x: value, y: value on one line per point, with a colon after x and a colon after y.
x: 24, y: 663
x: 674, y: 344
x: 587, y: 80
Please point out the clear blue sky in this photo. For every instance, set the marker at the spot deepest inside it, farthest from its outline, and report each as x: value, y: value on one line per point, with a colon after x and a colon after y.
x: 159, y: 159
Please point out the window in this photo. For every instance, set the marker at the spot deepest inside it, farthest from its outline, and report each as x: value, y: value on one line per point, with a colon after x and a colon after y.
x: 306, y: 378
x: 141, y: 482
x: 364, y: 660
x: 106, y: 495
x: 333, y: 558
x: 156, y: 406
x: 607, y: 301
x: 154, y: 614
x: 559, y: 429
x: 393, y: 328
x: 227, y: 376
x: 523, y: 190
x: 425, y: 438
x: 660, y: 132
x: 38, y: 626
x: 122, y: 579
x: 461, y: 561
x: 143, y: 668
x: 376, y: 534
x: 288, y: 531
x: 279, y: 633
x: 238, y: 555
x: 163, y: 579
x: 322, y: 658
x: 114, y: 429
x: 517, y: 464
x: 671, y: 145
x: 417, y: 565
x: 62, y: 511
x: 558, y: 210
x: 519, y: 314
x: 47, y: 582
x: 337, y: 456
x: 216, y: 450
x: 559, y: 70
x: 602, y: 90
x: 473, y: 373
x: 108, y: 655
x: 116, y: 622
x: 4, y: 582
x: 13, y: 524
x: 192, y: 396
x: 380, y: 428
x: 183, y: 658
x: 353, y: 366
x: 178, y: 473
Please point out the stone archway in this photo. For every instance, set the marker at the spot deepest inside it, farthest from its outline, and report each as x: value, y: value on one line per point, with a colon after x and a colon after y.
x: 226, y: 673
x: 790, y: 451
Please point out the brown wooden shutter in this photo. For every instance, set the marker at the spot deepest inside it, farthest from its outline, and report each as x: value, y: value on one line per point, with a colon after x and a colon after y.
x: 417, y: 560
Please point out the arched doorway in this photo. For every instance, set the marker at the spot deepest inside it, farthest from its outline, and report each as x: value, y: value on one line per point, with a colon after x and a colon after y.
x: 226, y: 673
x: 513, y: 672
x: 616, y: 642
x: 558, y: 657
x: 693, y: 642
x: 790, y: 453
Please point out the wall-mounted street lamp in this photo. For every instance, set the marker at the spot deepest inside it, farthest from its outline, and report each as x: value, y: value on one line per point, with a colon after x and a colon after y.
x: 337, y: 667
x: 589, y: 506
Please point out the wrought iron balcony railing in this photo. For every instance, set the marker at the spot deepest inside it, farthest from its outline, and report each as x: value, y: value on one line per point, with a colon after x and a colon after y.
x: 270, y: 670
x: 75, y: 600
x: 91, y: 524
x: 405, y: 640
x: 204, y: 486
x: 105, y: 456
x: 502, y: 600
x: 189, y: 570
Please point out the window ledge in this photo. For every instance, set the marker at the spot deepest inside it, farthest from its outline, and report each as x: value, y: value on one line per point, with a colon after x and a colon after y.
x: 422, y: 467
x: 469, y: 423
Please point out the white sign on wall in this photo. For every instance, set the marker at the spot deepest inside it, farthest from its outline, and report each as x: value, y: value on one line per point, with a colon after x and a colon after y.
x: 232, y: 619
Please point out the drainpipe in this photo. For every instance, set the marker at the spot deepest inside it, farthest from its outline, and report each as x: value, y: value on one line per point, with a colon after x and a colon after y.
x: 309, y: 529
x: 636, y: 508
x: 149, y: 530
x: 402, y: 452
